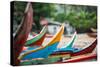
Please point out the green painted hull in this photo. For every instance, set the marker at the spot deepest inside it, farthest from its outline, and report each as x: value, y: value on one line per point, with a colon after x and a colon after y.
x: 37, y: 37
x: 49, y: 60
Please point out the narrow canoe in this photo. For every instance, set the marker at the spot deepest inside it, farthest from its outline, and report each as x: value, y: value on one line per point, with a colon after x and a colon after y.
x: 45, y: 51
x: 86, y: 50
x: 66, y: 49
x: 38, y: 39
x: 75, y: 51
x: 60, y: 56
x: 85, y: 57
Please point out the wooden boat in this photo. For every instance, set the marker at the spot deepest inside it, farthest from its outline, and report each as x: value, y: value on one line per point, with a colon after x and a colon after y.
x: 49, y: 60
x: 59, y: 55
x: 93, y: 30
x: 47, y: 35
x: 85, y: 57
x: 54, y: 57
x: 66, y: 48
x: 38, y: 39
x: 73, y: 52
x: 86, y: 50
x: 80, y: 55
x: 67, y: 55
x: 22, y: 34
x: 70, y: 43
x: 44, y: 51
x: 58, y: 59
x: 94, y: 35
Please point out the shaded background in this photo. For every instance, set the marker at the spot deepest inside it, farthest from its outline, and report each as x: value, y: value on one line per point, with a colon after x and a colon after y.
x: 80, y: 17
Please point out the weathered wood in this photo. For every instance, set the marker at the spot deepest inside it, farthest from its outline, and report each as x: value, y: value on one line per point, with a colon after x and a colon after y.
x: 22, y: 34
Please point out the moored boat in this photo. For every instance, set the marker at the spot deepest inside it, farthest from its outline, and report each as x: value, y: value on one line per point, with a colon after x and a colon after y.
x: 44, y: 51
x: 38, y: 39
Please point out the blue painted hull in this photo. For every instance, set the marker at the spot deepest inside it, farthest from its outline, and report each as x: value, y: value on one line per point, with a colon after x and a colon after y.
x: 44, y: 53
x: 71, y: 49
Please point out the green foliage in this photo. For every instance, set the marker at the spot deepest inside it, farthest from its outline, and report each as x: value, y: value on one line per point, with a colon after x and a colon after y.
x: 42, y: 10
x: 80, y: 17
x: 61, y: 17
x: 18, y: 11
x: 39, y: 9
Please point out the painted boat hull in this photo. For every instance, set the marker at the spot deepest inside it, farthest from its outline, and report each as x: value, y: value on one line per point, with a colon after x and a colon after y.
x: 43, y: 52
x: 22, y: 34
x: 81, y: 58
x: 76, y: 52
x: 49, y: 60
x: 38, y: 39
x: 67, y: 55
x: 86, y: 50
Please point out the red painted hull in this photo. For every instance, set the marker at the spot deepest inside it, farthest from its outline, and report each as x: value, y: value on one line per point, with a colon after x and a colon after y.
x: 22, y: 34
x: 85, y: 58
x: 38, y: 42
x: 89, y: 49
x: 81, y: 58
